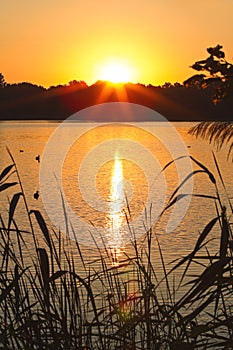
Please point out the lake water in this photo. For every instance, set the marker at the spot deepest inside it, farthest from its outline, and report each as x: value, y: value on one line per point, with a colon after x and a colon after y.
x: 105, y: 172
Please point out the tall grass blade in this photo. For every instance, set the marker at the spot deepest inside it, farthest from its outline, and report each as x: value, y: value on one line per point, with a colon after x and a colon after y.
x: 184, y: 181
x: 43, y: 226
x: 221, y: 178
x: 175, y: 200
x: 6, y: 171
x: 198, y: 309
x: 44, y: 267
x: 11, y: 285
x: 206, y: 280
x: 198, y: 246
x: 13, y: 205
x: 167, y: 166
x: 224, y: 235
x: 57, y: 275
x: 17, y: 289
x: 23, y: 194
x: 208, y: 228
x: 3, y: 187
x: 164, y: 270
x: 211, y: 176
x: 78, y: 247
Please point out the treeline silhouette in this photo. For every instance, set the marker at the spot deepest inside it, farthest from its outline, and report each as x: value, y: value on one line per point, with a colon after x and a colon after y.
x: 177, y: 102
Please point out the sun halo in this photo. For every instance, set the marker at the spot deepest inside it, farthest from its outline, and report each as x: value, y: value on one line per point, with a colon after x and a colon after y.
x: 115, y: 72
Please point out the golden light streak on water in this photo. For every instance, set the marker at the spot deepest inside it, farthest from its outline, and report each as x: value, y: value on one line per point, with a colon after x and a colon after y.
x: 116, y: 215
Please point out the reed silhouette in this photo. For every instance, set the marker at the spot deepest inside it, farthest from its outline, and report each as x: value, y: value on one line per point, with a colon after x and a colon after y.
x: 48, y: 302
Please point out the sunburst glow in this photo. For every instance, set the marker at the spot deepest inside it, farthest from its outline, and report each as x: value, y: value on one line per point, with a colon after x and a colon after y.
x: 116, y: 73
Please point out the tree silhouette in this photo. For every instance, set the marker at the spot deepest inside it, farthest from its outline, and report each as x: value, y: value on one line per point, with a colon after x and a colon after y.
x: 2, y: 81
x: 217, y: 74
x: 219, y: 78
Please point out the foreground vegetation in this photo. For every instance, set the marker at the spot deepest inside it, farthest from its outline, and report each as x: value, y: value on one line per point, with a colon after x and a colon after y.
x: 47, y: 302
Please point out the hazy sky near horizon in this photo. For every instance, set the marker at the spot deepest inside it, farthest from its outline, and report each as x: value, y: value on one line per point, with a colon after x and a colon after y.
x: 51, y: 42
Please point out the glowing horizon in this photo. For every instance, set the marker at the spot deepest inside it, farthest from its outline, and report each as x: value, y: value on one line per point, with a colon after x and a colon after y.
x: 51, y: 43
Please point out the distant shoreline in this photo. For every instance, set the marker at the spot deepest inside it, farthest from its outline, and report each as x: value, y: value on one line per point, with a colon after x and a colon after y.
x: 27, y: 102
x: 58, y: 121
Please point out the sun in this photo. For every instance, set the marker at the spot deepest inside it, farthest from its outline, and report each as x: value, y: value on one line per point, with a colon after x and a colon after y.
x: 116, y: 72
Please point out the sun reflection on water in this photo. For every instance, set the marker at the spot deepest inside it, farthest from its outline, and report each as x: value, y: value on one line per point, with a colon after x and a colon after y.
x: 116, y: 212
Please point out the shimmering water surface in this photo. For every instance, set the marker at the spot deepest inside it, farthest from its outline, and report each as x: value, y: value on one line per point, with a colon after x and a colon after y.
x: 103, y: 191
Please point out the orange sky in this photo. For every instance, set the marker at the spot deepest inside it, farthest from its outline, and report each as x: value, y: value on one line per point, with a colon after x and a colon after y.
x: 51, y: 42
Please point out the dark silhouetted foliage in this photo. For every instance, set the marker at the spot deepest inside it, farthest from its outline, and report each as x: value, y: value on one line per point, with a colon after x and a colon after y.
x: 2, y: 81
x: 218, y: 79
x: 218, y: 74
